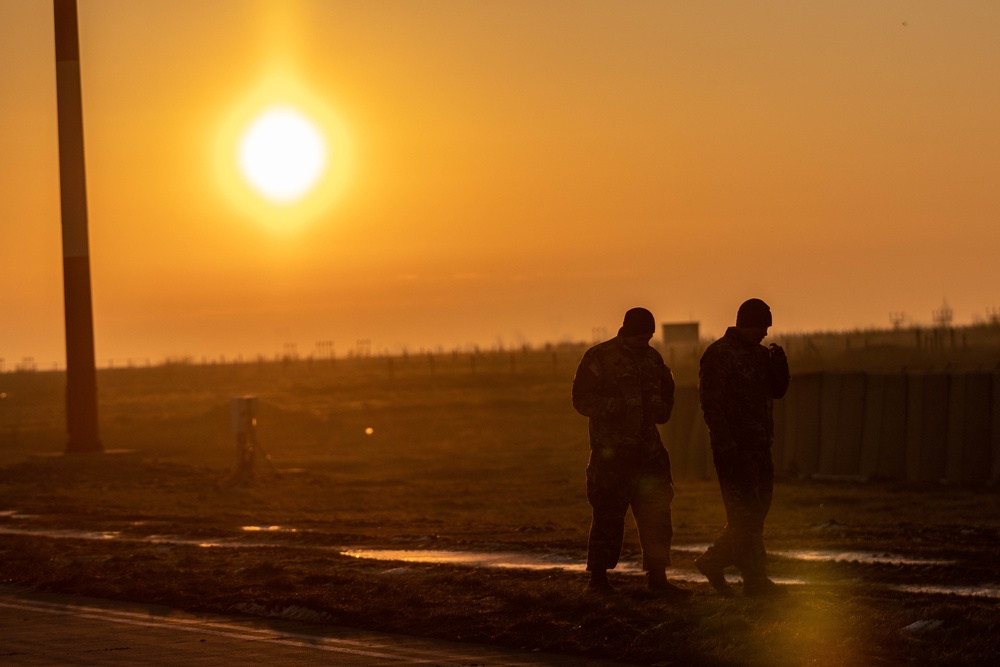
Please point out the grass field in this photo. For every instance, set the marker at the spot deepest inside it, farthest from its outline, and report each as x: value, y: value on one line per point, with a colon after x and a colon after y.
x: 468, y: 453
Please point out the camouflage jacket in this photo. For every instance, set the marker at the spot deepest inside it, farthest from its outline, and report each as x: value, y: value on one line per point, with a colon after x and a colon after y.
x: 739, y: 381
x: 626, y: 394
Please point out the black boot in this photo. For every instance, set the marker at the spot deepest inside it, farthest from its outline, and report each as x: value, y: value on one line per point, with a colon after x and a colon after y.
x: 658, y: 584
x: 763, y: 588
x: 715, y: 576
x: 599, y: 583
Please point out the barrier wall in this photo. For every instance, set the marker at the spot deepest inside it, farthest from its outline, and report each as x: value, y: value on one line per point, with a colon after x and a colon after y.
x: 916, y: 427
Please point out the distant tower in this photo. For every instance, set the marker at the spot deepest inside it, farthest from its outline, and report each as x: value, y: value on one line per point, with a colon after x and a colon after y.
x: 81, y: 370
x: 943, y: 316
x: 897, y: 319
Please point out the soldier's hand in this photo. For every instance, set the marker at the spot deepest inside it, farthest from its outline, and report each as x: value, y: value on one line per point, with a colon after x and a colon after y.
x: 777, y: 353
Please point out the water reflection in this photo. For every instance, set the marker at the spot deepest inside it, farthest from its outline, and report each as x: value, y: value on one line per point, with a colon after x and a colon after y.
x: 268, y: 529
x: 519, y: 561
x: 63, y: 534
x: 516, y: 560
x: 835, y: 556
x: 963, y: 591
x: 859, y: 557
x: 108, y: 535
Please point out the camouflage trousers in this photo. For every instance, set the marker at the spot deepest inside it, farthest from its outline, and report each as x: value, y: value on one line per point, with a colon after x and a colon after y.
x: 747, y: 483
x: 612, y: 488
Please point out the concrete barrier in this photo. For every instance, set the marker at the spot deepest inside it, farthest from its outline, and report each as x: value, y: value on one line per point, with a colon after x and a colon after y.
x: 892, y: 435
x: 917, y: 427
x: 995, y: 427
x: 934, y: 436
x: 804, y: 459
x: 956, y: 429
x: 871, y: 428
x: 829, y: 420
x: 976, y: 436
x: 850, y: 426
x: 914, y: 424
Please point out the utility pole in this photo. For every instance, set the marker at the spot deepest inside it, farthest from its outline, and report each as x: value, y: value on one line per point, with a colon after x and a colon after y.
x: 81, y: 371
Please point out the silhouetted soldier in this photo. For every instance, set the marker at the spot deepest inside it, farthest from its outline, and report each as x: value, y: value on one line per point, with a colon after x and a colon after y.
x: 740, y: 378
x: 626, y: 390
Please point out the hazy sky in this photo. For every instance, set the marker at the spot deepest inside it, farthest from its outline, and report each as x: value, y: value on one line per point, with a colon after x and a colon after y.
x: 503, y: 170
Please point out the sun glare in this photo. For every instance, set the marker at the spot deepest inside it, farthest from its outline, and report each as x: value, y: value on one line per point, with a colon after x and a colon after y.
x: 282, y: 154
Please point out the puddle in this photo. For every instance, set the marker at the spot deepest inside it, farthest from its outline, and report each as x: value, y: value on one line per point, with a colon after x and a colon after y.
x: 519, y: 561
x: 63, y: 534
x: 832, y: 556
x: 488, y: 559
x: 117, y: 536
x: 268, y: 529
x: 858, y: 557
x: 523, y: 561
x: 992, y: 592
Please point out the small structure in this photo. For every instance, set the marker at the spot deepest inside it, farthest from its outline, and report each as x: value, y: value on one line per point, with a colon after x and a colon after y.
x: 680, y: 333
x: 243, y: 418
x: 681, y: 342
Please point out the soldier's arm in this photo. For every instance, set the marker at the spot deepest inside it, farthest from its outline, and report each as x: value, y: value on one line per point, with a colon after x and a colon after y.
x: 667, y: 387
x: 779, y: 371
x: 713, y: 379
x: 589, y: 398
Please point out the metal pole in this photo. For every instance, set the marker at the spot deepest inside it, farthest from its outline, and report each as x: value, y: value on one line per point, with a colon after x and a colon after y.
x: 81, y: 371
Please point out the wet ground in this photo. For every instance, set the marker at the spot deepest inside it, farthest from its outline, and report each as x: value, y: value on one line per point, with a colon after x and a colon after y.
x: 447, y: 558
x: 933, y: 574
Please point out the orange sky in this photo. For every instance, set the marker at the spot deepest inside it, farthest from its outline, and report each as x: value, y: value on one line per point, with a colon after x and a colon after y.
x: 512, y: 171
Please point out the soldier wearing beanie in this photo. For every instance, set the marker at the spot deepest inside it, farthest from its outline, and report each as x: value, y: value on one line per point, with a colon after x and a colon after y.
x: 625, y: 389
x: 739, y: 380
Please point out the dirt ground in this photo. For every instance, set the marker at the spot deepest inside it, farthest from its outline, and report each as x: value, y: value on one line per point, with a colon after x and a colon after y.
x: 456, y: 460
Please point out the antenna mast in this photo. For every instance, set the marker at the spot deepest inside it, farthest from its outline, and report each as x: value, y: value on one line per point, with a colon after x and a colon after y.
x: 81, y: 368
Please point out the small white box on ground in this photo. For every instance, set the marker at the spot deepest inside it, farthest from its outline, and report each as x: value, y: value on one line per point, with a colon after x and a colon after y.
x: 243, y: 412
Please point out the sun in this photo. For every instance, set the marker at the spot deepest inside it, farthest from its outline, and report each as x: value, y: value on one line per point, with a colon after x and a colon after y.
x: 282, y: 154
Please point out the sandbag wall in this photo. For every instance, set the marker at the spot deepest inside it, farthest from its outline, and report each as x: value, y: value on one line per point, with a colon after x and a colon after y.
x: 926, y: 427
